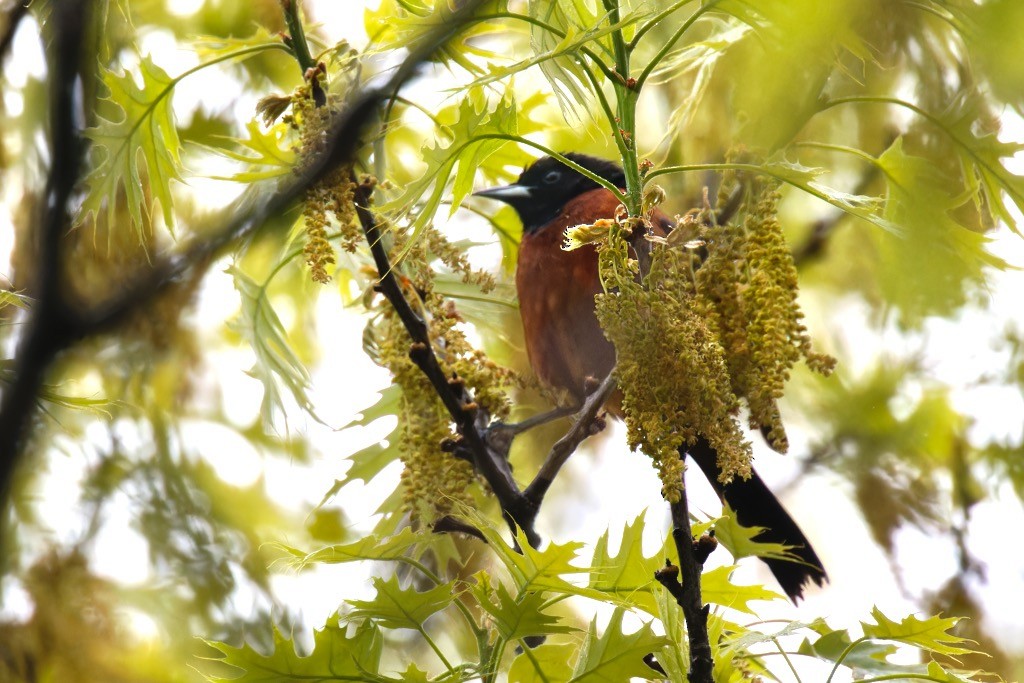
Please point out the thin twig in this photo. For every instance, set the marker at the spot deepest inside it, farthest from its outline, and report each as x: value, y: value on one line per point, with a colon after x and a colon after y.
x: 582, y: 427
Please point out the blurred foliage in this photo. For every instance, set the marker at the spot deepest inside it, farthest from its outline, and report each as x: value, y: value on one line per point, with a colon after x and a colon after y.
x: 894, y: 127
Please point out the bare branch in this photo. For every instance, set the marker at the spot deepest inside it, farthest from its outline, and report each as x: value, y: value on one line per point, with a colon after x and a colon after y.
x: 582, y: 427
x: 51, y: 325
x: 687, y: 592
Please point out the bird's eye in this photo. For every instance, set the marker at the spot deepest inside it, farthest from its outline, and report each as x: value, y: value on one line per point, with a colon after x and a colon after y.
x: 552, y: 177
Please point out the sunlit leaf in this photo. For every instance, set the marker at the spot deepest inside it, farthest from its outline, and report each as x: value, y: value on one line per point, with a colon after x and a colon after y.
x: 628, y: 575
x: 265, y: 154
x: 461, y: 154
x: 370, y: 547
x: 867, y: 655
x: 928, y: 265
x: 146, y: 130
x: 335, y: 656
x: 549, y: 663
x: 739, y: 540
x: 534, y: 569
x: 716, y: 587
x: 932, y: 634
x: 805, y: 178
x: 517, y: 616
x: 276, y: 361
x: 397, y: 607
x: 614, y: 656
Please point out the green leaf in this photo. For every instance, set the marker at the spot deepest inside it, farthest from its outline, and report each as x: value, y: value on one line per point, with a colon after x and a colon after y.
x: 371, y: 547
x: 9, y: 298
x: 461, y: 155
x: 615, y: 656
x: 335, y: 656
x: 939, y: 673
x: 567, y: 28
x: 276, y: 362
x: 414, y: 675
x: 368, y: 462
x: 548, y: 663
x: 927, y: 268
x: 395, y: 24
x: 146, y: 129
x: 561, y: 60
x: 533, y: 569
x: 397, y: 607
x: 932, y: 634
x: 716, y: 587
x: 266, y: 155
x: 805, y: 178
x: 739, y: 540
x: 627, y: 576
x: 866, y: 656
x: 517, y: 616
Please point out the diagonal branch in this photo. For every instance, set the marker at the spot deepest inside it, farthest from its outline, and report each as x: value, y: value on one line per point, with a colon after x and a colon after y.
x: 470, y: 420
x: 582, y: 427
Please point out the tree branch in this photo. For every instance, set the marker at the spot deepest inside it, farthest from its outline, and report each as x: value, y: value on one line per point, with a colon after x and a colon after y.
x: 582, y: 427
x: 687, y: 593
x: 470, y: 420
x: 51, y: 325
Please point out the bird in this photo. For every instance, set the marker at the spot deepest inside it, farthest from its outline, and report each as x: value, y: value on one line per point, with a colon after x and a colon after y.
x: 568, y: 350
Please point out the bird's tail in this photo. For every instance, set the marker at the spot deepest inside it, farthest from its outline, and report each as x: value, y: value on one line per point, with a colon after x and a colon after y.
x: 755, y: 505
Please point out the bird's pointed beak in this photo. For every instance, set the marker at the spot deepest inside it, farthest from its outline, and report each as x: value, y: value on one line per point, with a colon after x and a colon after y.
x: 508, y: 194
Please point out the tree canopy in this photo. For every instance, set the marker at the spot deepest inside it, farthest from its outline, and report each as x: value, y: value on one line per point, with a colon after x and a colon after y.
x: 263, y: 347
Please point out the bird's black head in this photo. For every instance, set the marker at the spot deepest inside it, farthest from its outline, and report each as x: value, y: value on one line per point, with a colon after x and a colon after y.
x: 548, y: 184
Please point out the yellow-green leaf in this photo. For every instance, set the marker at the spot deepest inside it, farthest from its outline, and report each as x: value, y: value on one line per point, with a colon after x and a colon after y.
x: 932, y: 634
x: 138, y: 154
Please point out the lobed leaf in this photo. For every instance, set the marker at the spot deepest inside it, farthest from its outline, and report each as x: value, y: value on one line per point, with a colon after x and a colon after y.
x: 615, y: 657
x: 276, y: 361
x: 932, y: 633
x: 336, y: 656
x: 146, y: 130
x: 397, y: 607
x: 549, y: 663
x: 371, y: 547
x: 517, y: 616
x: 266, y: 155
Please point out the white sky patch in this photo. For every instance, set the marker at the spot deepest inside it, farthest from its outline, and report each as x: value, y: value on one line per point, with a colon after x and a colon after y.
x: 184, y: 8
x: 231, y: 455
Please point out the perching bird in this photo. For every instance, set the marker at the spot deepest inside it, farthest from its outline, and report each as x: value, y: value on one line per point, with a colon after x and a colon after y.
x: 568, y: 350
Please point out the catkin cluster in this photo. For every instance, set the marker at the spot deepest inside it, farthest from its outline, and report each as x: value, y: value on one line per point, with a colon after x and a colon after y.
x: 434, y: 480
x: 712, y: 322
x: 328, y: 206
x: 671, y: 366
x: 747, y: 289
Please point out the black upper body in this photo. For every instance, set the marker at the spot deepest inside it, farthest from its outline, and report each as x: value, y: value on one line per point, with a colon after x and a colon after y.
x: 547, y: 185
